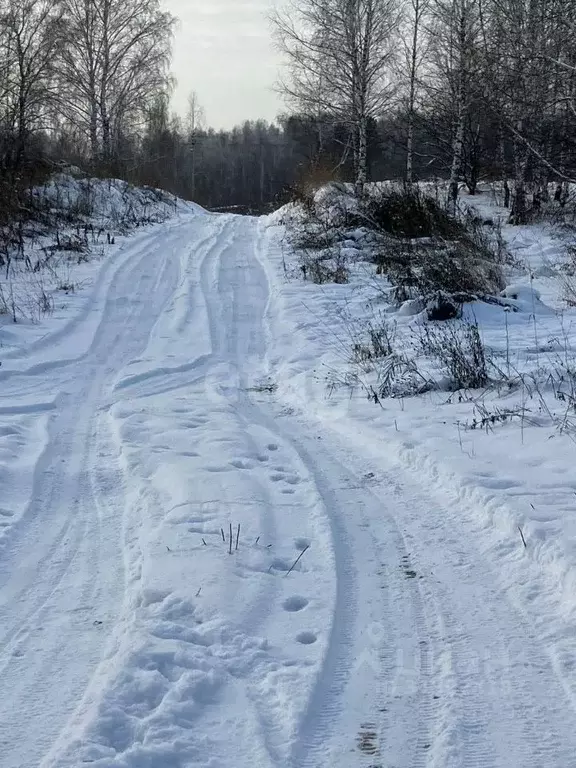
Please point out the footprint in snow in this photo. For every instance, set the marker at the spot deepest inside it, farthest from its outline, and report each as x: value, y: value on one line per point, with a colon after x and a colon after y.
x: 241, y: 464
x: 295, y: 604
x: 215, y: 468
x: 306, y: 638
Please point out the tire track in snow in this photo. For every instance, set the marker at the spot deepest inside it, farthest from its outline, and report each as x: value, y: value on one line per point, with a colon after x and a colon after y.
x: 176, y: 323
x: 234, y: 309
x: 408, y: 655
x: 305, y: 703
x: 54, y: 570
x: 496, y: 700
x: 230, y: 367
x: 396, y: 696
x: 337, y: 667
x: 111, y: 274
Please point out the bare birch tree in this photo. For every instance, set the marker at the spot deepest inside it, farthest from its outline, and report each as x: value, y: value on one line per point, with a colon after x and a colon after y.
x: 339, y: 55
x: 455, y: 32
x: 415, y: 50
x: 30, y: 33
x: 115, y: 62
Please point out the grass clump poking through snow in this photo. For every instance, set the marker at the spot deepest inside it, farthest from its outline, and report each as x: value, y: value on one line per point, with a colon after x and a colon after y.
x: 375, y: 343
x: 459, y: 351
x: 391, y: 359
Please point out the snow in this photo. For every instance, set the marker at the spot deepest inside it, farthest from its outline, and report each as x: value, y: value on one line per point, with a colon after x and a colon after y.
x: 96, y: 216
x: 490, y: 483
x: 380, y: 607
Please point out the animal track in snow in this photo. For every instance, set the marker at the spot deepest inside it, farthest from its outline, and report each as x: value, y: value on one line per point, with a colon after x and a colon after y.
x: 278, y: 477
x: 241, y: 464
x: 301, y: 543
x: 306, y: 638
x: 216, y: 468
x: 295, y: 604
x: 195, y: 423
x: 272, y: 447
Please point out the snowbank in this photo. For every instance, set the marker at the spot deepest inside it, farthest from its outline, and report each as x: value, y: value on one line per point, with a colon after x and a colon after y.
x: 110, y: 202
x: 501, y: 458
x: 78, y: 226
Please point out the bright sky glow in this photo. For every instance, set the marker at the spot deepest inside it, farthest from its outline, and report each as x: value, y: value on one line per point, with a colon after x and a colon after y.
x: 224, y: 51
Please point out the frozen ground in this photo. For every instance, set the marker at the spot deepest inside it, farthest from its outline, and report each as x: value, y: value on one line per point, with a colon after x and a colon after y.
x: 187, y: 397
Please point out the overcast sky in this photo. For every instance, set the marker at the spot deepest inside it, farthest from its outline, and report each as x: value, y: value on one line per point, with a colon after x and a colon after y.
x: 223, y: 51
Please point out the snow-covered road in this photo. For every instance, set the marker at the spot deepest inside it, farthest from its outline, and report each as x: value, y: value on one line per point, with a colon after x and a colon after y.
x: 132, y: 442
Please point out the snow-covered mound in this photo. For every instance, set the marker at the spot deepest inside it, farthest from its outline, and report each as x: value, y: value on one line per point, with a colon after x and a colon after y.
x: 109, y: 202
x: 75, y: 225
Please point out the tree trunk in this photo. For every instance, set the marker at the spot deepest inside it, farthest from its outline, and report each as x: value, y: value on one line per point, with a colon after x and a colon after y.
x: 519, y: 213
x: 104, y: 77
x: 106, y: 134
x: 561, y: 193
x: 504, y: 175
x: 193, y: 170
x: 457, y: 157
x: 94, y: 130
x: 362, y: 169
x: 412, y: 94
x: 410, y: 151
x: 473, y: 181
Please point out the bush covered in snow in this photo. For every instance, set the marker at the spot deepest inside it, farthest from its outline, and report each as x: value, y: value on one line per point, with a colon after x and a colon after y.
x: 416, y: 245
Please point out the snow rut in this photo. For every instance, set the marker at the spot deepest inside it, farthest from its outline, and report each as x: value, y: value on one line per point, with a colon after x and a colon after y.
x: 340, y: 698
x: 343, y: 625
x: 61, y: 567
x: 305, y: 668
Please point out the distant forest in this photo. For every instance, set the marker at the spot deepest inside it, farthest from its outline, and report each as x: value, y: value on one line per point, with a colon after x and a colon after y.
x: 460, y: 90
x: 258, y: 165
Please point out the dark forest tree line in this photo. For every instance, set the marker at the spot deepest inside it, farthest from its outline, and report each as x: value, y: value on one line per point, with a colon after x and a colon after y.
x: 411, y: 89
